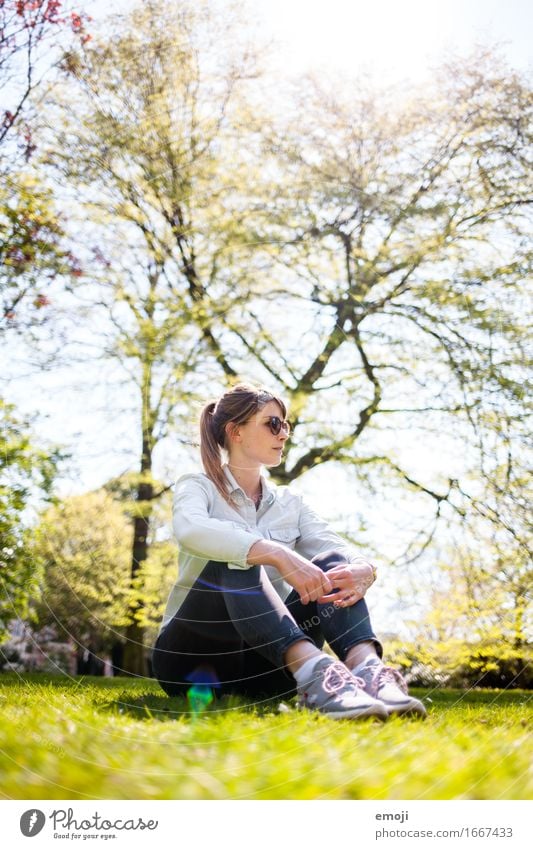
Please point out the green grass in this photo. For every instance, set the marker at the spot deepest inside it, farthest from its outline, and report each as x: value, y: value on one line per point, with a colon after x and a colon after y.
x: 118, y: 738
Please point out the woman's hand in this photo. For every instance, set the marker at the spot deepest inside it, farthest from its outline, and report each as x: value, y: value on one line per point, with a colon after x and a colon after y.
x: 309, y: 581
x: 351, y: 580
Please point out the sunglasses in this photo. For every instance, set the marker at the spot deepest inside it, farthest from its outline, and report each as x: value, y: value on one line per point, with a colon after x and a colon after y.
x: 277, y: 425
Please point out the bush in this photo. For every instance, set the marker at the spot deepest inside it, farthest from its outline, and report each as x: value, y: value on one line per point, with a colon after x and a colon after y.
x: 455, y: 663
x: 30, y: 650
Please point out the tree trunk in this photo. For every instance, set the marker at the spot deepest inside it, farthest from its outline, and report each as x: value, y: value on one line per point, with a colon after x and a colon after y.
x: 135, y: 652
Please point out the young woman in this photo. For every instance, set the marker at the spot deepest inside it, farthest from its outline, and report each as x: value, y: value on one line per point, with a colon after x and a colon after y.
x: 264, y: 582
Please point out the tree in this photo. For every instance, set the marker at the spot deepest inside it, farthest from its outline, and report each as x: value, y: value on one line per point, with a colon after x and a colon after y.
x: 479, y: 620
x: 376, y: 255
x: 31, y: 232
x: 26, y: 29
x: 477, y: 628
x: 31, y: 252
x: 142, y: 125
x: 83, y: 547
x: 26, y: 473
x: 403, y: 227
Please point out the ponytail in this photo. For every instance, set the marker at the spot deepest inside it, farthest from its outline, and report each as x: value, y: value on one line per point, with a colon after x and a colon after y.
x: 211, y: 442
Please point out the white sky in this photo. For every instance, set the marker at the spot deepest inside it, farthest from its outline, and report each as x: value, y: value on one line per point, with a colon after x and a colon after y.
x: 398, y: 38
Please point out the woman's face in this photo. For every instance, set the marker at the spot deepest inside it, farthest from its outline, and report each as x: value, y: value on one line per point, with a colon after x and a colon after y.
x: 253, y: 443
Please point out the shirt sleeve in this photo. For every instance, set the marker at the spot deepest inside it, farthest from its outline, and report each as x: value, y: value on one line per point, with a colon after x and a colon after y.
x: 316, y: 536
x: 200, y: 534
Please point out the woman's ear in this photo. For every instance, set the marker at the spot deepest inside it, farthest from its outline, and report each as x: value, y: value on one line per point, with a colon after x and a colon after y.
x: 233, y: 432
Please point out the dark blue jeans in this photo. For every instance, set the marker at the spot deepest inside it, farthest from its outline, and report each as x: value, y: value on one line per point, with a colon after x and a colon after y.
x: 233, y: 629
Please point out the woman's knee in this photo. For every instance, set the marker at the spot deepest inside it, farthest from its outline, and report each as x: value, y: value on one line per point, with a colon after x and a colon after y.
x: 328, y: 559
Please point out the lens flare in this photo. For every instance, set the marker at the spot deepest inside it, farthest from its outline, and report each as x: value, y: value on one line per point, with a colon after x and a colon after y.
x: 200, y: 695
x: 199, y: 698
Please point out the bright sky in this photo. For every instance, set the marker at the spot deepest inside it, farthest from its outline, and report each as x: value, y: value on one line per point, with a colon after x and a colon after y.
x: 398, y: 38
x: 402, y: 38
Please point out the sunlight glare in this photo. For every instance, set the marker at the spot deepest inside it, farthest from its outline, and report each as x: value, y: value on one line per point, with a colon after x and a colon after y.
x: 392, y: 39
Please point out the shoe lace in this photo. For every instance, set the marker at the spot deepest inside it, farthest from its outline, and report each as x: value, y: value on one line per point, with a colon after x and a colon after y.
x: 388, y: 675
x: 337, y: 676
x: 375, y: 676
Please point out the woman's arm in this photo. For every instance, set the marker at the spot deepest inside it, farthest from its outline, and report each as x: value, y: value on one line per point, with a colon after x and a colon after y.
x: 352, y: 578
x: 309, y: 581
x: 202, y: 535
x: 351, y: 581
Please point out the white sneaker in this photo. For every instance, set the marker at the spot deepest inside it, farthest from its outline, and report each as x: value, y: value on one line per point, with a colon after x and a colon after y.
x: 388, y: 685
x: 332, y: 690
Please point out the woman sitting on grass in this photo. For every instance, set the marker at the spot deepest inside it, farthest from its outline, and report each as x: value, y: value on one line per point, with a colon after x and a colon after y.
x: 263, y: 581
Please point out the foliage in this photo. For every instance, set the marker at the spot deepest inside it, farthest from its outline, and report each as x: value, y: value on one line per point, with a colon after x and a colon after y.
x: 484, y: 598
x: 157, y: 573
x: 31, y: 251
x: 152, y: 585
x: 122, y: 739
x: 461, y: 662
x: 26, y: 28
x: 139, y: 128
x: 478, y: 628
x: 30, y: 229
x: 83, y: 545
x: 26, y: 473
x: 366, y: 255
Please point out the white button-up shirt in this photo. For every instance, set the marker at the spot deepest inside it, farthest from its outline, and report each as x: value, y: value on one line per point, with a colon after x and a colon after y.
x: 208, y: 528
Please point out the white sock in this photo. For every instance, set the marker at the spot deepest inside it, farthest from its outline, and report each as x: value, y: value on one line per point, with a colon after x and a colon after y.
x: 305, y: 671
x: 370, y: 658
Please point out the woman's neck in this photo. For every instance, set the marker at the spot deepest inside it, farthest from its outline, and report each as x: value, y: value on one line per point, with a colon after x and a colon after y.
x: 248, y: 479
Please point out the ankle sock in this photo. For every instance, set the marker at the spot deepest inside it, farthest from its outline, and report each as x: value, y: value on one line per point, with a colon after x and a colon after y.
x: 369, y: 659
x: 305, y: 671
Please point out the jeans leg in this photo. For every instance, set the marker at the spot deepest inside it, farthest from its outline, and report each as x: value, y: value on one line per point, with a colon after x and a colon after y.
x: 342, y: 627
x: 232, y: 629
x: 199, y: 642
x: 257, y: 612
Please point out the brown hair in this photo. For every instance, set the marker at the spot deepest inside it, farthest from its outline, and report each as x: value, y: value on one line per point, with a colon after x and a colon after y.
x: 237, y: 405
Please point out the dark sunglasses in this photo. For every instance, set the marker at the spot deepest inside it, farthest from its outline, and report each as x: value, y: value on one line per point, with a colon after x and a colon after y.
x: 277, y: 425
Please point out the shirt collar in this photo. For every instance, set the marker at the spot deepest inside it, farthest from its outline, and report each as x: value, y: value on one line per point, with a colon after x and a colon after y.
x: 269, y: 489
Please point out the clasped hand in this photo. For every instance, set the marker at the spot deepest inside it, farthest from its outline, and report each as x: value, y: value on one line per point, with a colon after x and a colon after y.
x: 342, y: 585
x: 350, y: 582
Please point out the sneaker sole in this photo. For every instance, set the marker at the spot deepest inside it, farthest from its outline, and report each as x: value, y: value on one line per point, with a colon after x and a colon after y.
x: 363, y: 713
x: 409, y: 709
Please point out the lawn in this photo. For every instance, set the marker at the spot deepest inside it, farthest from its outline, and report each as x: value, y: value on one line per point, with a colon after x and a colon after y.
x: 118, y: 738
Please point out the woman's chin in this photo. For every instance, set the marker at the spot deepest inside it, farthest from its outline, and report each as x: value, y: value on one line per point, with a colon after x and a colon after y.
x: 274, y: 462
